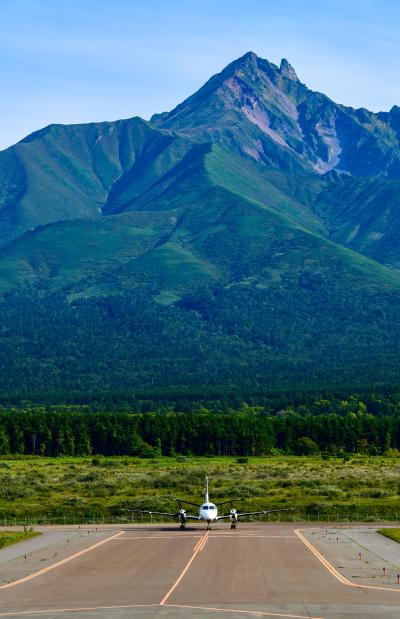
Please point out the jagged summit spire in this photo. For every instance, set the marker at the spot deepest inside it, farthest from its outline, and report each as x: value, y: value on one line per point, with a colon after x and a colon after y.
x: 287, y: 70
x: 247, y: 58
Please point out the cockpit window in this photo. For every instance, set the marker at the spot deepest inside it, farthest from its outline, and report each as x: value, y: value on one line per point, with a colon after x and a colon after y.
x: 205, y: 506
x: 211, y: 507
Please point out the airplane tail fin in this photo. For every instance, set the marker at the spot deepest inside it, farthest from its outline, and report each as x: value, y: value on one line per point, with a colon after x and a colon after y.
x: 206, y: 493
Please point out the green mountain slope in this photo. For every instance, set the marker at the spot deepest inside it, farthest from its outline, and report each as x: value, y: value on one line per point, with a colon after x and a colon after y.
x: 246, y: 240
x: 68, y: 172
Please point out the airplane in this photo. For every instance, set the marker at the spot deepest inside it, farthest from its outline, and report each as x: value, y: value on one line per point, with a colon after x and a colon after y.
x: 208, y: 512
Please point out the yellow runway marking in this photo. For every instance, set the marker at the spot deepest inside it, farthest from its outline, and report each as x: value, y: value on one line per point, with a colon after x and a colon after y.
x: 203, y: 543
x: 197, y: 544
x: 53, y: 566
x: 212, y: 536
x: 253, y: 535
x: 135, y: 537
x: 256, y: 613
x: 334, y: 571
x: 196, y: 550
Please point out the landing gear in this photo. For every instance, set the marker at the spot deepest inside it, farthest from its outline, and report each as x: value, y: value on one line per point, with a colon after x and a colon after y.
x: 182, y: 527
x: 233, y: 525
x: 208, y: 526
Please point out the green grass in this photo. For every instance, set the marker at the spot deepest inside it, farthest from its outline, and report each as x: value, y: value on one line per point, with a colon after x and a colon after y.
x: 393, y: 534
x: 101, y: 487
x: 13, y: 537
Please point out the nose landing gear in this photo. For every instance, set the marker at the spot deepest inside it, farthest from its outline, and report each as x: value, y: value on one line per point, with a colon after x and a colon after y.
x: 233, y: 525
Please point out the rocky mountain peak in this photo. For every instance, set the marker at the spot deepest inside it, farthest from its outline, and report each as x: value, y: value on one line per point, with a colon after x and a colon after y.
x: 287, y: 70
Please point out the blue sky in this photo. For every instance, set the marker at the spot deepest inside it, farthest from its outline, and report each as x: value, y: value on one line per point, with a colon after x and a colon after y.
x: 87, y: 60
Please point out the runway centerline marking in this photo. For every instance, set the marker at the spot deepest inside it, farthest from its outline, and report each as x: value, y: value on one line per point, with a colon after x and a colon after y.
x: 203, y: 543
x: 334, y: 571
x: 53, y: 566
x: 196, y: 550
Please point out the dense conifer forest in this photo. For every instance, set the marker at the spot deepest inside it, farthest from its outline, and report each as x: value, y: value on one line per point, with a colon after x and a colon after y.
x: 368, y: 424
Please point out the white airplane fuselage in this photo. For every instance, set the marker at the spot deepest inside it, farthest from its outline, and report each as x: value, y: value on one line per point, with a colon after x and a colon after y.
x: 208, y: 512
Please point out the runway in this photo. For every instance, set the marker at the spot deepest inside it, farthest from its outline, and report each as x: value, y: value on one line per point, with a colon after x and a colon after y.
x: 259, y: 570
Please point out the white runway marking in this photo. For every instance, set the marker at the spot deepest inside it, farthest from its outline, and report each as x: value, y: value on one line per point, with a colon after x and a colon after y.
x: 73, y: 610
x: 256, y: 613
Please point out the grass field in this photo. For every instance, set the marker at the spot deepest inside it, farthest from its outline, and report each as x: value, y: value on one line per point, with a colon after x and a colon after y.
x: 12, y: 537
x: 101, y: 487
x: 393, y: 534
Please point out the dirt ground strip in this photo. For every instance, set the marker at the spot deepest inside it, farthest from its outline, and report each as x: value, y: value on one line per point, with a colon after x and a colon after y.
x: 259, y: 570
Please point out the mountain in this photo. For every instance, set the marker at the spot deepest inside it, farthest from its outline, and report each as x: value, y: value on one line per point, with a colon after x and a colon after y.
x: 246, y: 240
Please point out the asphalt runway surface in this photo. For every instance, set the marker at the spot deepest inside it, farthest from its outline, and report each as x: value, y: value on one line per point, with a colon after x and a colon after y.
x: 259, y: 570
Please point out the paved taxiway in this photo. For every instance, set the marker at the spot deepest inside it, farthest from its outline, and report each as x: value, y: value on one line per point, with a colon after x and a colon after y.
x: 259, y: 570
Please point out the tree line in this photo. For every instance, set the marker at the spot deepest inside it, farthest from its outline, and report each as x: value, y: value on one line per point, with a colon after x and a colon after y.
x: 69, y: 433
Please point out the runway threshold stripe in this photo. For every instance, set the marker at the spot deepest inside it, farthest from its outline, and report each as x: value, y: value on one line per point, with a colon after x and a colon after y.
x: 334, y: 572
x: 53, y: 566
x: 256, y: 613
x: 185, y: 569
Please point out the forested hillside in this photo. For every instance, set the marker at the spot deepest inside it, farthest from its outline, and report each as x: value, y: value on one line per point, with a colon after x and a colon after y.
x: 245, y: 242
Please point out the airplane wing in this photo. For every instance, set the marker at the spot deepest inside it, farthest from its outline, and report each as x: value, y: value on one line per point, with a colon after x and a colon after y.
x: 186, y: 502
x: 176, y: 515
x: 266, y: 511
x: 142, y: 511
x: 227, y: 502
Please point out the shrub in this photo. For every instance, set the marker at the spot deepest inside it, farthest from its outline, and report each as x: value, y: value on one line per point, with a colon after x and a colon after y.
x: 305, y: 446
x: 375, y: 493
x: 15, y: 488
x: 75, y: 500
x: 241, y: 491
x: 392, y: 453
x: 329, y: 491
x: 91, y: 476
x: 101, y: 489
x: 317, y: 508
